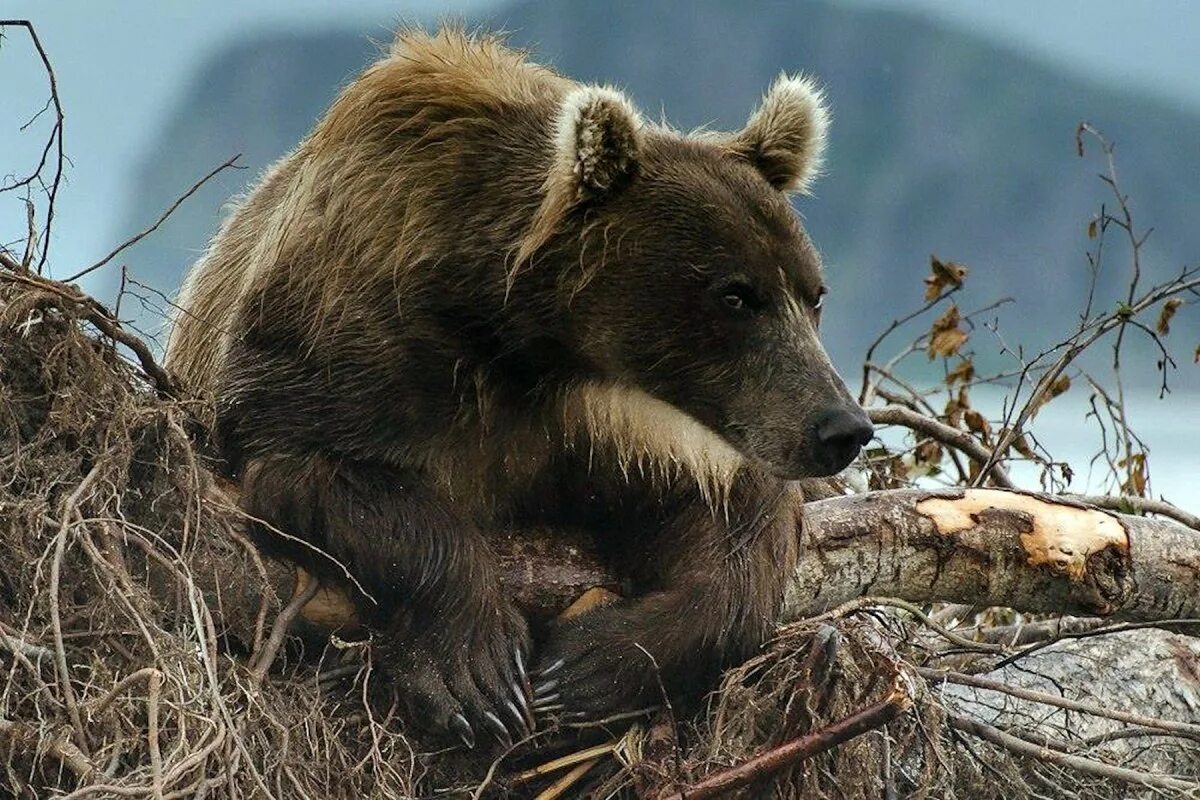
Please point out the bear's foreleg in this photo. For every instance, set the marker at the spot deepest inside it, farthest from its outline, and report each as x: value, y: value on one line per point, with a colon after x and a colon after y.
x: 455, y: 645
x: 718, y: 582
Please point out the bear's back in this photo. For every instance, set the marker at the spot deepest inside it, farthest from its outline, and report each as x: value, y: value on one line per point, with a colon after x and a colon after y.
x: 434, y: 153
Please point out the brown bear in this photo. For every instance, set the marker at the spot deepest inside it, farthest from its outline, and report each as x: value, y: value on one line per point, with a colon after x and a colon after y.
x: 479, y: 295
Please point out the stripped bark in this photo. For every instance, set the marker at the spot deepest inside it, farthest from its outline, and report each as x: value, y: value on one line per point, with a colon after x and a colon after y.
x: 987, y: 547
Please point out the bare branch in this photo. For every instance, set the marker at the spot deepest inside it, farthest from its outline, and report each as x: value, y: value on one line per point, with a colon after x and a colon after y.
x: 230, y: 163
x: 1021, y: 747
x: 1181, y: 728
x: 54, y: 141
x: 722, y: 783
x: 959, y: 440
x: 1129, y: 504
x: 95, y: 313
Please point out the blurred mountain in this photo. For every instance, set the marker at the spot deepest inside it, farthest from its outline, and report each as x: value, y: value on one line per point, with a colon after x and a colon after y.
x: 942, y: 143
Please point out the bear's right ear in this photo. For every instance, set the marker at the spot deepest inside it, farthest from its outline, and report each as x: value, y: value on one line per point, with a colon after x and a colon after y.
x: 597, y: 137
x: 595, y: 141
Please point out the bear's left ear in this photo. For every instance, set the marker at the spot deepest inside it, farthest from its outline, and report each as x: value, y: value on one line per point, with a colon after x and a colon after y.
x: 785, y: 136
x: 595, y: 141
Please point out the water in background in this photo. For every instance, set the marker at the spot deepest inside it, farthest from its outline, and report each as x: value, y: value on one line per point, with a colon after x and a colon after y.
x: 1168, y: 427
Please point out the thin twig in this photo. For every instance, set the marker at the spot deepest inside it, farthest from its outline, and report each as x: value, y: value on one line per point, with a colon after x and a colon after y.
x: 29, y: 740
x: 17, y: 645
x: 162, y: 218
x: 959, y: 440
x: 97, y: 707
x: 1024, y: 633
x: 55, y: 139
x: 556, y: 789
x: 60, y: 654
x: 1088, y: 632
x: 1181, y: 728
x: 152, y: 733
x: 1139, y: 505
x: 98, y: 315
x: 764, y: 765
x: 864, y: 391
x: 1090, y: 766
x: 1078, y: 344
x: 569, y: 760
x: 859, y: 603
x: 304, y: 592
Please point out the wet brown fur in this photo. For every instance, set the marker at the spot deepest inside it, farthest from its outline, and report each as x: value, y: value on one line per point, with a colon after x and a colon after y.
x: 479, y: 293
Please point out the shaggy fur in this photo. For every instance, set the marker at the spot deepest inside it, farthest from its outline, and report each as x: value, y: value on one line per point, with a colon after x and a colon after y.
x: 481, y: 293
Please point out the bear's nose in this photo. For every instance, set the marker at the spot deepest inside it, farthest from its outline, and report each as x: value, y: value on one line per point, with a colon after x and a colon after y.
x: 842, y: 432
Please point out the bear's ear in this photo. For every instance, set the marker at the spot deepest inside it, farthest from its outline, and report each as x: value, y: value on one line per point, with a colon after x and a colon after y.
x: 785, y: 136
x: 597, y: 136
x: 595, y: 141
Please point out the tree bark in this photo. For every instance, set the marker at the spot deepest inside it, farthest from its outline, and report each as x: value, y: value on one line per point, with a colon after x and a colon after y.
x: 989, y: 547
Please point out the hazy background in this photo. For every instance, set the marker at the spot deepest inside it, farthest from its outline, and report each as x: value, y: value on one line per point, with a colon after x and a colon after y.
x: 953, y: 135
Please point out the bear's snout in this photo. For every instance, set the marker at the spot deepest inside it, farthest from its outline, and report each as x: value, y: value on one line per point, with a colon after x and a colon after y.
x: 840, y: 434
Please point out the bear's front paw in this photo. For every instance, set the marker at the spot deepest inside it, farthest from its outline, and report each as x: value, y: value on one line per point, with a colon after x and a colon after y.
x: 470, y: 684
x: 590, y: 669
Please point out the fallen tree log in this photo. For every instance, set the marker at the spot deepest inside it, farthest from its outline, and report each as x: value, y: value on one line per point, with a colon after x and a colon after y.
x: 1120, y: 707
x: 983, y: 547
x: 987, y: 547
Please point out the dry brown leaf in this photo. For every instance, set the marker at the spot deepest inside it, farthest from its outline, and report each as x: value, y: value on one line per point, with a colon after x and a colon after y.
x: 963, y: 373
x: 945, y: 337
x: 978, y: 424
x: 943, y: 274
x: 955, y: 407
x: 1060, y: 385
x: 953, y: 413
x: 928, y: 452
x: 1164, y: 316
x: 1019, y: 443
x: 1135, y: 482
x: 1092, y: 229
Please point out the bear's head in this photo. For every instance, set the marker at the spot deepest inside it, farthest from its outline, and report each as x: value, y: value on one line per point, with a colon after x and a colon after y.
x: 689, y: 275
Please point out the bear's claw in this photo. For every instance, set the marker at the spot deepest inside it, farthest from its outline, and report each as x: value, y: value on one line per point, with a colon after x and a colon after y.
x: 460, y: 726
x: 502, y: 733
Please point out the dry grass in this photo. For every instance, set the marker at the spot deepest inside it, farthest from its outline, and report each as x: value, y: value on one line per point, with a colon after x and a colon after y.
x: 131, y: 607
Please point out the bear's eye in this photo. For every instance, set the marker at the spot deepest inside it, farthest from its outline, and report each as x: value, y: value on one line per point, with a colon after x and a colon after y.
x: 820, y: 301
x: 739, y: 296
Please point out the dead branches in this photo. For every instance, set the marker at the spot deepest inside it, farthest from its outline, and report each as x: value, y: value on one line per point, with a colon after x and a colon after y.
x: 54, y: 141
x: 75, y: 302
x: 786, y: 755
x: 949, y: 676
x: 1089, y: 766
x: 952, y: 437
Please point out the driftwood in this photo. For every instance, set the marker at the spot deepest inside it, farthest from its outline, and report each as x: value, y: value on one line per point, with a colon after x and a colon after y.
x: 980, y: 547
x: 1133, y: 692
